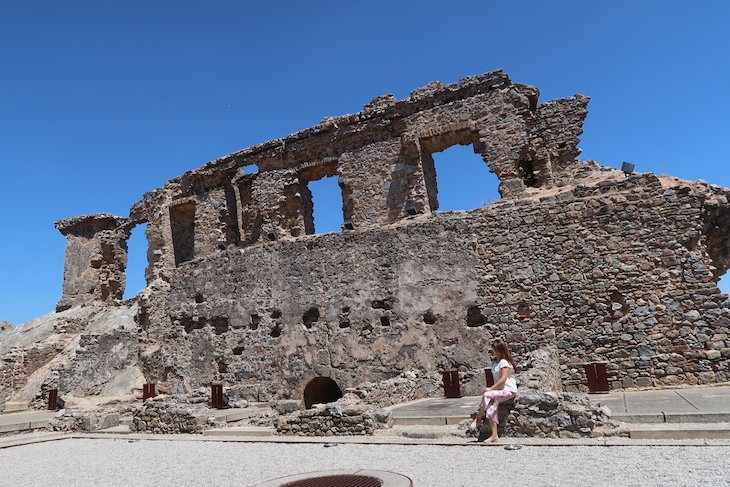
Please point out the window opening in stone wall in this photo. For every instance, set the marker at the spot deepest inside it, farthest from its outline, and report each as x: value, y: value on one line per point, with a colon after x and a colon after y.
x: 182, y: 226
x: 463, y: 179
x: 326, y: 204
x: 321, y: 390
x: 250, y: 169
x: 723, y: 284
x: 136, y: 261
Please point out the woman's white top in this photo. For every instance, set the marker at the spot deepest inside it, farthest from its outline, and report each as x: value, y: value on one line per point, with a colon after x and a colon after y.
x: 510, y: 384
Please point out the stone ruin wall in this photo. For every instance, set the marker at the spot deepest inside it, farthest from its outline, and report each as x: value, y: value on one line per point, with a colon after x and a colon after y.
x: 605, y: 267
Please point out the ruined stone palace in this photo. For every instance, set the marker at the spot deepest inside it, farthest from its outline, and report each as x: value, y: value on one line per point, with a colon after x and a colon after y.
x: 608, y: 267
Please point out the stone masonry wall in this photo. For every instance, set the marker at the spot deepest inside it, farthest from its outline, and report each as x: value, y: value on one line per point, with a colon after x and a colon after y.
x: 608, y: 273
x: 605, y: 267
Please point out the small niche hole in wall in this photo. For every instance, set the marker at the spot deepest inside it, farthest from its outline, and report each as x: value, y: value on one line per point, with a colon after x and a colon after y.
x: 429, y: 317
x: 310, y: 317
x: 255, y: 321
x: 474, y: 317
x: 275, y: 331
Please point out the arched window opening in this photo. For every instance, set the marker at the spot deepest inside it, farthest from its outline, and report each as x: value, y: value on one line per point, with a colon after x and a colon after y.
x: 462, y: 180
x: 321, y: 390
x: 250, y: 169
x: 136, y: 261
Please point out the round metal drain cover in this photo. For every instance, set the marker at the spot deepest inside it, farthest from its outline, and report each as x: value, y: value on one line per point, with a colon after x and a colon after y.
x: 336, y: 481
x: 342, y: 478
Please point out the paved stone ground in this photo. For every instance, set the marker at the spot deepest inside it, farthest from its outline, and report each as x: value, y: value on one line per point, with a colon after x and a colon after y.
x: 694, y: 400
x: 670, y: 401
x: 77, y: 462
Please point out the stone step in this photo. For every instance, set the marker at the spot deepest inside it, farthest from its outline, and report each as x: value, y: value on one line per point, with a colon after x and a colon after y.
x: 15, y: 406
x: 233, y: 415
x: 679, y: 431
x: 421, y: 431
x: 240, y: 431
x: 427, y: 420
x: 120, y: 430
x: 651, y: 418
x: 16, y: 422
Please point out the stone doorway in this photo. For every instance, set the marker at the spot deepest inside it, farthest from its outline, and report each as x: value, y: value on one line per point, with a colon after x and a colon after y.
x: 321, y: 390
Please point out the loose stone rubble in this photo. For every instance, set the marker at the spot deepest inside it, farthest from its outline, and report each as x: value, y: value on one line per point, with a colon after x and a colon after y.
x: 605, y: 267
x: 341, y: 418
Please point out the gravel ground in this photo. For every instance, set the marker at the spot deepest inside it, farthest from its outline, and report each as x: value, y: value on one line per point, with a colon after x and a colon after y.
x: 82, y: 462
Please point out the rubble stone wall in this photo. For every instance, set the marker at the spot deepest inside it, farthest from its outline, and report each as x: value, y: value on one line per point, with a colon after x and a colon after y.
x: 605, y: 267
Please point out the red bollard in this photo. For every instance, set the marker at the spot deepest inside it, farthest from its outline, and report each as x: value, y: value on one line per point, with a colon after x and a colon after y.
x: 216, y: 396
x: 148, y: 391
x: 488, y: 377
x: 452, y: 388
x: 53, y: 399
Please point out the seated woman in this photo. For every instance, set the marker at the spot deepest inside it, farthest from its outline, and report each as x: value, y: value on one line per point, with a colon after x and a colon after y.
x: 504, y: 388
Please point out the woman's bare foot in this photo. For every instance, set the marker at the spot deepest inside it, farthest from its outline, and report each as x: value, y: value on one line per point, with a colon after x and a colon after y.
x: 491, y: 439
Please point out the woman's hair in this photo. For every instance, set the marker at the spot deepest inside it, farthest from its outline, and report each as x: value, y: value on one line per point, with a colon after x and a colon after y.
x: 500, y: 347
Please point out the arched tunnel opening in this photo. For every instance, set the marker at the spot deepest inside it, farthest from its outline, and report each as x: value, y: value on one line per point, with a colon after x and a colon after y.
x: 321, y: 390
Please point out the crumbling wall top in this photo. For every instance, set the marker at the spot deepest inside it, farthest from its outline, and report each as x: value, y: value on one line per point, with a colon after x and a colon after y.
x: 89, y: 224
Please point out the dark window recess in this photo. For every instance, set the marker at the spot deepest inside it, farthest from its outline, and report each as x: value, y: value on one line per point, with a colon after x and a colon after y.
x: 310, y: 317
x: 222, y: 367
x: 238, y: 350
x: 527, y: 171
x: 523, y: 310
x: 275, y: 331
x: 474, y: 317
x: 189, y: 324
x: 344, y: 324
x: 255, y: 321
x: 220, y: 325
x: 429, y: 317
x: 384, y: 321
x: 182, y: 226
x: 199, y: 298
x: 276, y: 313
x: 345, y: 309
x: 385, y: 304
x: 321, y: 390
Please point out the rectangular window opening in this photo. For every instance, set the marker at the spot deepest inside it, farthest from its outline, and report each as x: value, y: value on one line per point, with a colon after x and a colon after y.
x: 182, y: 225
x: 136, y: 261
x: 326, y: 206
x: 460, y: 180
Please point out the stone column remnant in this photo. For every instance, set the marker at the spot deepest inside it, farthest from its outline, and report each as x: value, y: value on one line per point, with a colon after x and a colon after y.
x: 96, y: 258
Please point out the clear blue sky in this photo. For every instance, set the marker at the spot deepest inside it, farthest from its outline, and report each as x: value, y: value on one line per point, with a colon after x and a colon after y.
x: 101, y: 101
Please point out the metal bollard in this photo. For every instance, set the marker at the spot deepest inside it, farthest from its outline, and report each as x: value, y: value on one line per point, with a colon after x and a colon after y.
x: 148, y: 391
x: 489, y: 377
x: 597, y: 377
x: 452, y: 388
x: 216, y: 396
x: 53, y: 399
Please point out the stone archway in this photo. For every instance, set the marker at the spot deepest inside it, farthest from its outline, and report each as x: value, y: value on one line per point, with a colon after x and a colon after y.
x: 321, y: 390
